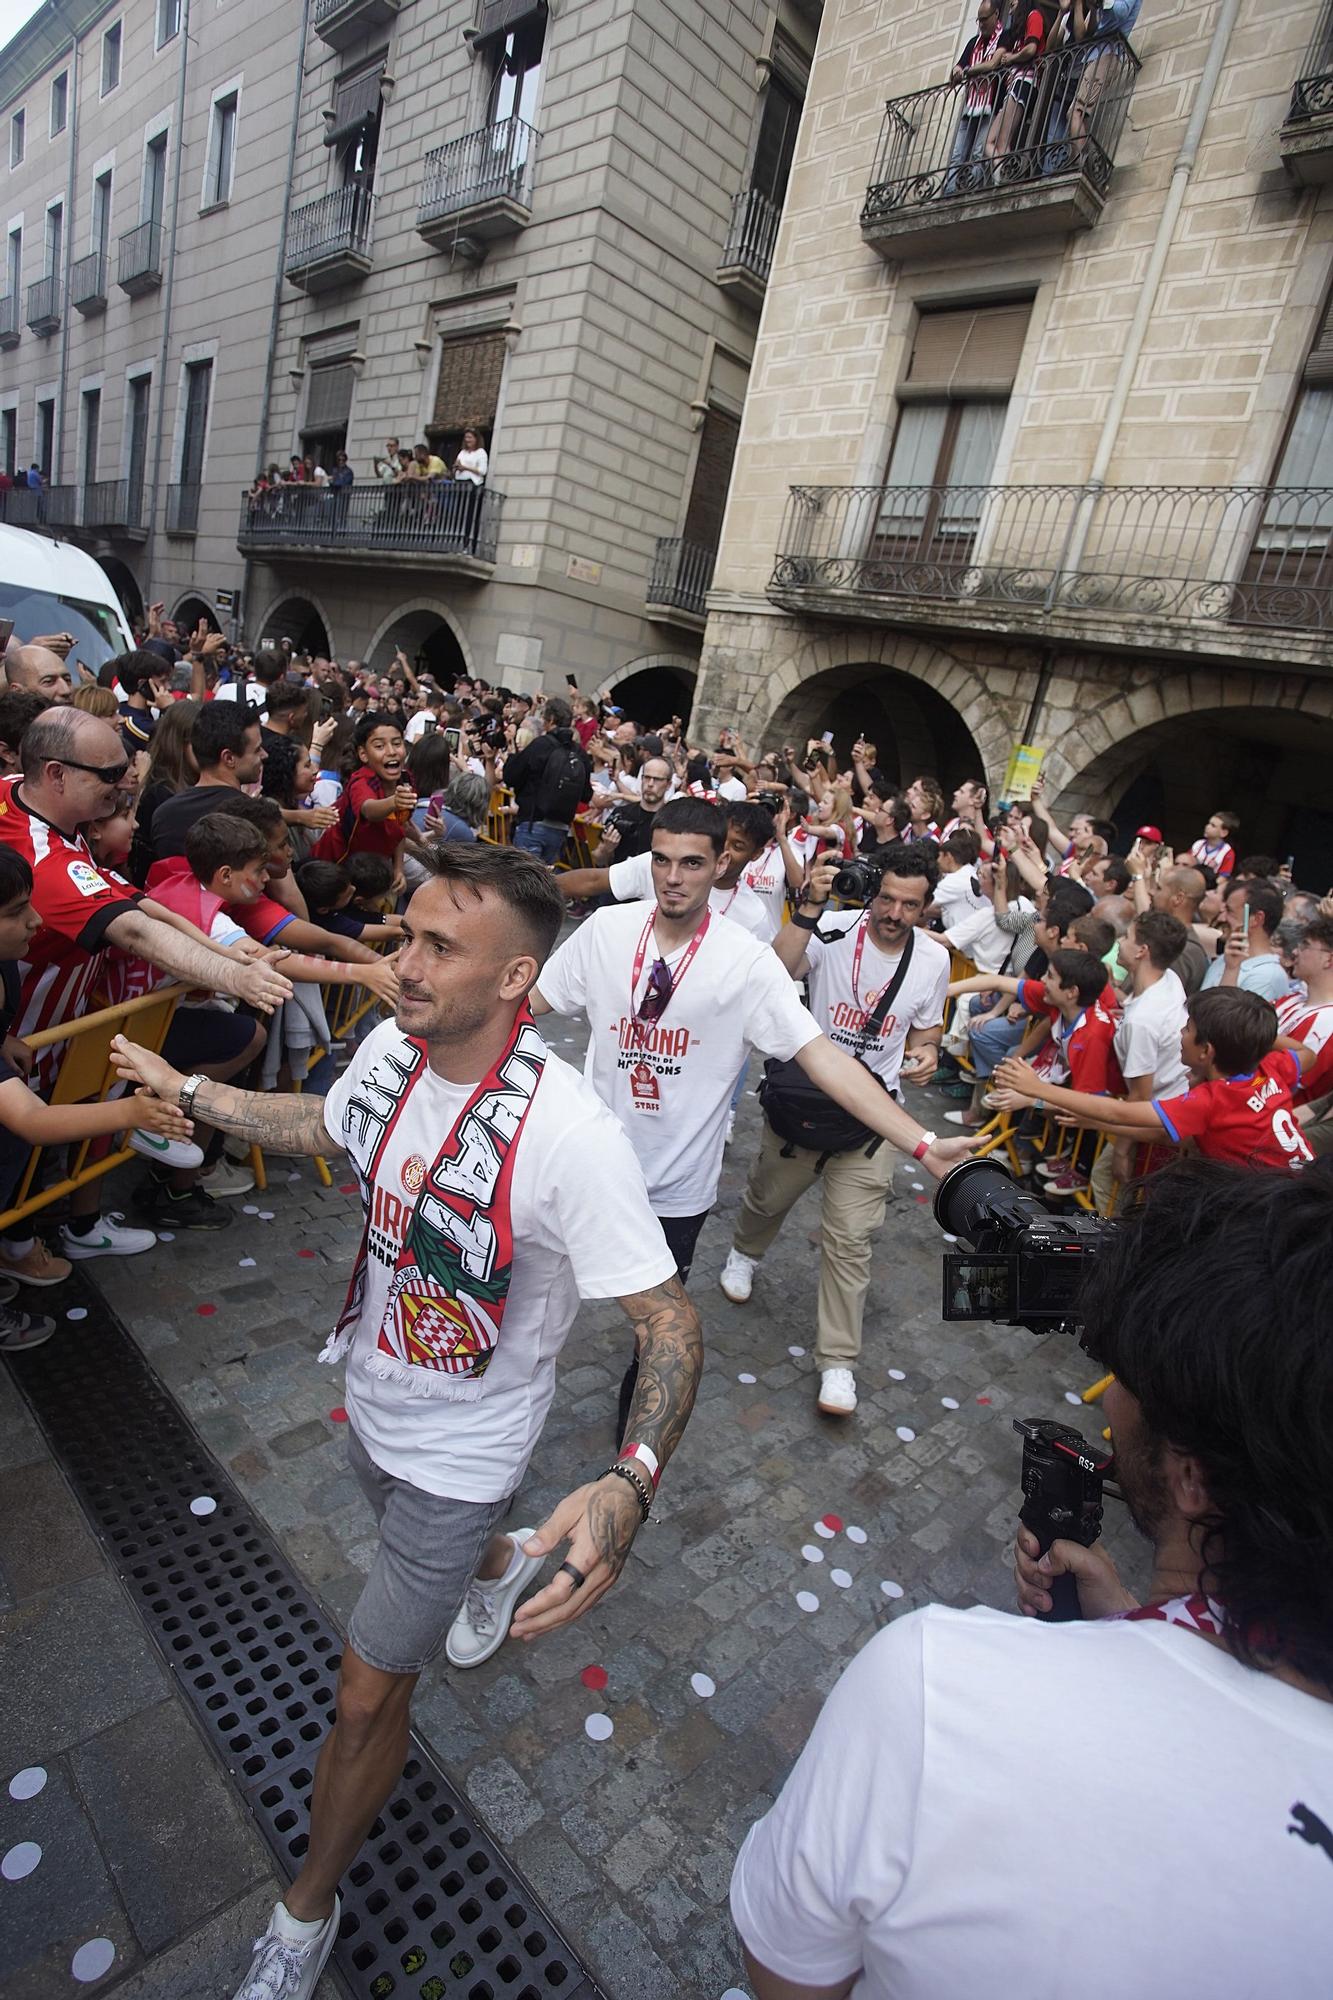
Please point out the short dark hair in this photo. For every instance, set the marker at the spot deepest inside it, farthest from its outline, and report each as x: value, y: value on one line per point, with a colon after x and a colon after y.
x: 908, y: 858
x: 1230, y: 822
x: 219, y: 726
x: 264, y: 813
x: 18, y: 711
x: 1079, y: 969
x: 222, y: 840
x: 15, y: 876
x: 751, y: 819
x: 693, y: 816
x: 1163, y: 936
x: 1240, y: 1027
x: 525, y: 885
x: 964, y: 844
x: 371, y: 875
x: 285, y: 695
x: 322, y: 883
x: 1105, y: 829
x: 1093, y: 934
x: 1319, y: 931
x: 1066, y: 902
x: 270, y: 666
x: 1115, y: 873
x: 1265, y: 899
x: 368, y: 724
x: 137, y: 669
x: 558, y: 714
x: 1247, y: 1391
x: 1258, y: 865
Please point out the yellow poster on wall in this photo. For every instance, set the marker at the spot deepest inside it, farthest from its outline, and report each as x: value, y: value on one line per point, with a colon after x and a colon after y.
x: 1022, y: 771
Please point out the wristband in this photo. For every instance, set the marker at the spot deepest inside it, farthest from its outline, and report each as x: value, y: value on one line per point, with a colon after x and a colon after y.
x: 805, y: 923
x: 923, y: 1145
x: 643, y: 1492
x: 647, y: 1458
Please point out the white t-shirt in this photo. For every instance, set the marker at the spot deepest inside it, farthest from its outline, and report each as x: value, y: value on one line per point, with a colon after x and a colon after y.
x: 424, y: 719
x: 842, y: 1005
x: 1147, y: 1036
x: 255, y: 693
x: 472, y: 465
x: 1147, y: 1852
x: 955, y: 894
x: 582, y: 1228
x: 973, y: 930
x: 670, y: 1081
x: 733, y: 789
x: 766, y: 876
x: 632, y: 881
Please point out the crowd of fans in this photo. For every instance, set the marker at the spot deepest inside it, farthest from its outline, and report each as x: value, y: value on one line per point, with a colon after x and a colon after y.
x: 1006, y: 101
x: 399, y: 466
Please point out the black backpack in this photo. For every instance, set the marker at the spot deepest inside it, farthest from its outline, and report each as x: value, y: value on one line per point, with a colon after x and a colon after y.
x: 562, y: 784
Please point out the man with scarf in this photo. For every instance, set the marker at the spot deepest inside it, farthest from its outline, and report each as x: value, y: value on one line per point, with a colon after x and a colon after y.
x: 497, y: 1191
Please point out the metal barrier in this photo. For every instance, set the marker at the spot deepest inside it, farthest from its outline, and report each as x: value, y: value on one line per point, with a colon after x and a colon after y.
x: 495, y: 163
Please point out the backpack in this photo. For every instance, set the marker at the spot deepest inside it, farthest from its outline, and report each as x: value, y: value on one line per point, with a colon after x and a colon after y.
x: 562, y: 784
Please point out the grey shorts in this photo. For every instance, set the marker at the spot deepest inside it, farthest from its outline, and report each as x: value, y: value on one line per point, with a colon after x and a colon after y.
x: 430, y: 1550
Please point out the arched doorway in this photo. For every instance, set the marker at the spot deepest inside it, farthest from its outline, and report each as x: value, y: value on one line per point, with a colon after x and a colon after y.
x: 429, y: 641
x: 651, y: 691
x: 297, y: 619
x: 914, y: 729
x: 191, y: 609
x: 126, y: 586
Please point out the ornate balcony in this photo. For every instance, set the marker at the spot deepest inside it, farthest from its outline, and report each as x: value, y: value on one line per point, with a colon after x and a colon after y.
x: 340, y: 23
x: 87, y: 284
x: 9, y: 321
x: 328, y: 241
x: 442, y: 524
x: 1244, y: 571
x: 139, y: 260
x: 681, y: 579
x: 1031, y: 153
x: 114, y: 507
x: 479, y: 187
x: 44, y: 304
x: 747, y: 256
x: 1306, y: 138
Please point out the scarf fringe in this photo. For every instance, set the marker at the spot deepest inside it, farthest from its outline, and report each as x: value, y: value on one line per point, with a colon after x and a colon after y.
x: 422, y: 1384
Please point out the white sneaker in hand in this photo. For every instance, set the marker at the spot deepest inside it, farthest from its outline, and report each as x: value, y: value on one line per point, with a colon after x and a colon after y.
x: 283, y: 1968
x: 482, y: 1625
x: 837, y: 1392
x: 167, y: 1152
x: 737, y: 1279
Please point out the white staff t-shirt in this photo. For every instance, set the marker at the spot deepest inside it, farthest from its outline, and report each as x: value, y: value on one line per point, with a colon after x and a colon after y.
x: 581, y: 1226
x: 842, y: 999
x: 670, y: 1081
x: 766, y: 877
x: 904, y: 1854
x: 632, y: 881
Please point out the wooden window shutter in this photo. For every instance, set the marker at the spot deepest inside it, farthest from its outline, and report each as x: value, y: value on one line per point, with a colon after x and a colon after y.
x: 1319, y: 366
x: 329, y: 403
x: 469, y: 388
x: 356, y: 103
x: 975, y: 349
x: 712, y: 477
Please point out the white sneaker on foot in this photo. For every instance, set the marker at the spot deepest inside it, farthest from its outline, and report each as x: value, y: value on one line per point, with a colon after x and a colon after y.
x: 283, y: 1970
x: 837, y: 1392
x: 167, y: 1152
x: 482, y: 1625
x: 110, y: 1236
x: 737, y: 1279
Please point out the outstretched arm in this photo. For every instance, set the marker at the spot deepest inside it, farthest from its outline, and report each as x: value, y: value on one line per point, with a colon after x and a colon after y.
x: 144, y: 937
x: 273, y: 1120
x: 848, y: 1084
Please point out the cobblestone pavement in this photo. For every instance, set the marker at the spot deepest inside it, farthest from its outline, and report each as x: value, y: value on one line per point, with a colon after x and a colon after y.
x: 631, y: 1840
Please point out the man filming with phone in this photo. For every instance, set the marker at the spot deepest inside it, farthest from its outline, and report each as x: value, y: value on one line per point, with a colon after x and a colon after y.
x: 1140, y: 1803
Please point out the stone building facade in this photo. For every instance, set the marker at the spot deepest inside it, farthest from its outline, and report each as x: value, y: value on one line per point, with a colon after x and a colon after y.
x: 1061, y: 431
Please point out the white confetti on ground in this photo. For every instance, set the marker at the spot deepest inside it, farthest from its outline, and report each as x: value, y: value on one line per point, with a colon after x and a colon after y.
x: 599, y: 1727
x: 948, y: 1239
x: 1072, y: 1396
x: 812, y: 1554
x: 856, y: 1535
x: 892, y: 1589
x: 949, y: 1402
x: 77, y: 1312
x: 250, y: 1208
x: 735, y: 1993
x: 703, y: 1685
x: 807, y: 1600
x: 796, y: 1352
x: 204, y: 1506
x: 91, y: 1960
x: 265, y: 1214
x: 897, y: 1375
x: 20, y: 1861
x: 918, y: 1187
x: 842, y: 1578
x: 745, y: 1376
x: 246, y: 1264
x: 907, y: 1435
x: 26, y: 1784
x: 292, y: 1178
x: 823, y: 1530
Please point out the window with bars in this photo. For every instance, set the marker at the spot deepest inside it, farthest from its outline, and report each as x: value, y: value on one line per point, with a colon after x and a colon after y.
x: 468, y: 392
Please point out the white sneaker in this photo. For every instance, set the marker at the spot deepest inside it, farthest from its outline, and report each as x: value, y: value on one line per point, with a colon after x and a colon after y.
x: 737, y: 1279
x: 167, y: 1152
x: 110, y: 1237
x: 283, y: 1971
x: 837, y: 1392
x: 482, y: 1625
x: 226, y: 1177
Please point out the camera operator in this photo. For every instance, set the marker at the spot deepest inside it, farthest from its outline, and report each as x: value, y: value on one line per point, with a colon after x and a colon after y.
x: 995, y: 1806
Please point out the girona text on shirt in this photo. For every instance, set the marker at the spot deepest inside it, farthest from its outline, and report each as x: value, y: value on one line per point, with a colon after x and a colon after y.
x: 854, y: 1020
x: 651, y: 1038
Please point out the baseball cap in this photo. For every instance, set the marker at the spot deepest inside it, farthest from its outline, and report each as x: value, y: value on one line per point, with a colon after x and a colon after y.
x: 1149, y: 833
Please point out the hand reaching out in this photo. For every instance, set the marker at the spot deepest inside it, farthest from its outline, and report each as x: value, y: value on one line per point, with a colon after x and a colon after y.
x: 599, y: 1522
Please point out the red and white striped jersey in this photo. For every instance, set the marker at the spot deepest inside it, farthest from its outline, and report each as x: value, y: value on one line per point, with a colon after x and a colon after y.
x: 1311, y: 1022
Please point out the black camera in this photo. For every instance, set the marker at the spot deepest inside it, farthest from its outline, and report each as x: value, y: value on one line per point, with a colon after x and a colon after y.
x: 858, y: 880
x: 1064, y: 1478
x: 771, y: 800
x: 1026, y: 1265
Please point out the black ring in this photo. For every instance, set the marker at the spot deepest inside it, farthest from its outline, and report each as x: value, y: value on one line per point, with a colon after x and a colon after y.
x: 579, y: 1578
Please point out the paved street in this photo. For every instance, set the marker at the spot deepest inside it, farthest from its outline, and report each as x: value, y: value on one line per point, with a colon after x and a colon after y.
x: 629, y: 1839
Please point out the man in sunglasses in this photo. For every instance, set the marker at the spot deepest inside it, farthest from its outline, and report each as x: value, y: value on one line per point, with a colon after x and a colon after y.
x: 676, y: 998
x: 72, y: 766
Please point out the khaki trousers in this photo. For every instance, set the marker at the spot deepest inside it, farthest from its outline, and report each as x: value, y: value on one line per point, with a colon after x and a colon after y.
x: 855, y: 1190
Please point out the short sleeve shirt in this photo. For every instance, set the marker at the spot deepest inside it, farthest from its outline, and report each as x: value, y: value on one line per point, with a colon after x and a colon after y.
x: 844, y: 994
x: 1245, y: 1119
x: 262, y: 920
x: 1310, y: 1023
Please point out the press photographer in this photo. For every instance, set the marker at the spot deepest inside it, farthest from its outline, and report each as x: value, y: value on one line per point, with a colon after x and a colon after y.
x: 993, y: 1805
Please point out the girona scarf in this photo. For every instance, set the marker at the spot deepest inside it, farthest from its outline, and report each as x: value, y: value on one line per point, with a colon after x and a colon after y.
x: 446, y: 1304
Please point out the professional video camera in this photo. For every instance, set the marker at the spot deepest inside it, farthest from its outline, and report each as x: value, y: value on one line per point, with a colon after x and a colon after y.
x: 1026, y: 1265
x: 858, y: 880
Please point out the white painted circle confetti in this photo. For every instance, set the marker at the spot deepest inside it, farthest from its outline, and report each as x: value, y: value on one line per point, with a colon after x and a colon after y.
x: 204, y: 1506
x: 949, y: 1402
x: 948, y: 1239
x: 907, y: 1435
x: 292, y: 1179
x: 26, y: 1784
x: 266, y: 1215
x: 91, y: 1960
x: 246, y: 1264
x: 746, y: 1377
x: 599, y: 1727
x: 250, y: 1208
x: 892, y: 1589
x: 703, y: 1685
x: 807, y: 1600
x: 77, y: 1312
x: 20, y: 1861
x: 1072, y: 1396
x: 796, y: 1352
x: 734, y: 1993
x: 897, y: 1375
x: 918, y: 1187
x: 857, y: 1535
x: 841, y: 1577
x: 166, y: 1236
x: 812, y: 1554
x: 823, y: 1530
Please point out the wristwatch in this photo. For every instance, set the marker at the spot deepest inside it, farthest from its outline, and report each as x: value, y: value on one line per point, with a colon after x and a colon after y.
x: 185, y: 1096
x: 919, y: 1151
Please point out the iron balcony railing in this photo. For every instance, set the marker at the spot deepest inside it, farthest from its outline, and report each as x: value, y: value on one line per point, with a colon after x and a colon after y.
x: 51, y: 507
x: 139, y: 257
x: 113, y: 503
x: 9, y: 318
x: 87, y: 282
x: 183, y: 508
x: 426, y: 517
x: 753, y: 232
x: 494, y: 164
x: 44, y: 303
x: 682, y: 574
x: 1212, y: 555
x: 1312, y: 93
x: 1062, y: 114
x: 338, y: 224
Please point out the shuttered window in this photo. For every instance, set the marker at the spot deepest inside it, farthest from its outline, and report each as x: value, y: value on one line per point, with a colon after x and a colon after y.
x: 972, y: 351
x: 1319, y: 367
x: 712, y: 477
x: 329, y: 402
x: 499, y: 16
x: 356, y: 104
x: 469, y: 388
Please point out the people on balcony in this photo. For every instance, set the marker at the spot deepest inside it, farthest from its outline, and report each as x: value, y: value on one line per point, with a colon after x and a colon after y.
x: 1091, y: 26
x: 1022, y: 41
x: 472, y: 463
x: 342, y: 476
x: 977, y: 68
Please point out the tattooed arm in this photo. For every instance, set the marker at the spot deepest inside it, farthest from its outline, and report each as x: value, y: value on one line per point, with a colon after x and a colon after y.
x: 273, y: 1120
x: 600, y: 1520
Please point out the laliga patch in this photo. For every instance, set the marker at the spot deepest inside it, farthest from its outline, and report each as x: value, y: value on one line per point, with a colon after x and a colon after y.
x: 85, y: 878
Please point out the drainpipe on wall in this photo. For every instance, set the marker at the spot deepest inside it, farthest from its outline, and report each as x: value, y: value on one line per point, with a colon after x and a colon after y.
x: 168, y: 288
x: 276, y: 310
x: 66, y: 258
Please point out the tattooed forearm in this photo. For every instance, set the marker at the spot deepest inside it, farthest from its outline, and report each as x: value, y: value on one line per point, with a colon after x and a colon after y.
x: 671, y: 1359
x: 613, y: 1520
x: 277, y: 1122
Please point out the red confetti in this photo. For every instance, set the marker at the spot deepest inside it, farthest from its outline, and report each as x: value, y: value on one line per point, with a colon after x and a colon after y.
x: 338, y: 1416
x: 594, y: 1677
x: 983, y: 1399
x: 921, y: 1200
x: 349, y: 1187
x: 833, y: 1521
x: 305, y: 1253
x: 205, y: 1312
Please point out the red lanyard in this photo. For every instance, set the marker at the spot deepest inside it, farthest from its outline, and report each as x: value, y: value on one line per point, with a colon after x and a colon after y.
x: 681, y: 969
x: 730, y: 900
x: 867, y: 1006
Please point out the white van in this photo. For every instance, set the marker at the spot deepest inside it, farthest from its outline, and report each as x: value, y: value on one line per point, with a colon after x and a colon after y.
x: 50, y: 586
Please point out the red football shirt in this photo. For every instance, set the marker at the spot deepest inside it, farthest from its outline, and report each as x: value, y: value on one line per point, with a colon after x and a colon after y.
x: 1088, y: 1047
x: 1245, y: 1119
x: 1311, y: 1023
x: 262, y: 920
x: 351, y: 832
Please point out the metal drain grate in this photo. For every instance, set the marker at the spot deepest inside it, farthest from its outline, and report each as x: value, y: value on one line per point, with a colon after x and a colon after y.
x: 431, y: 1908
